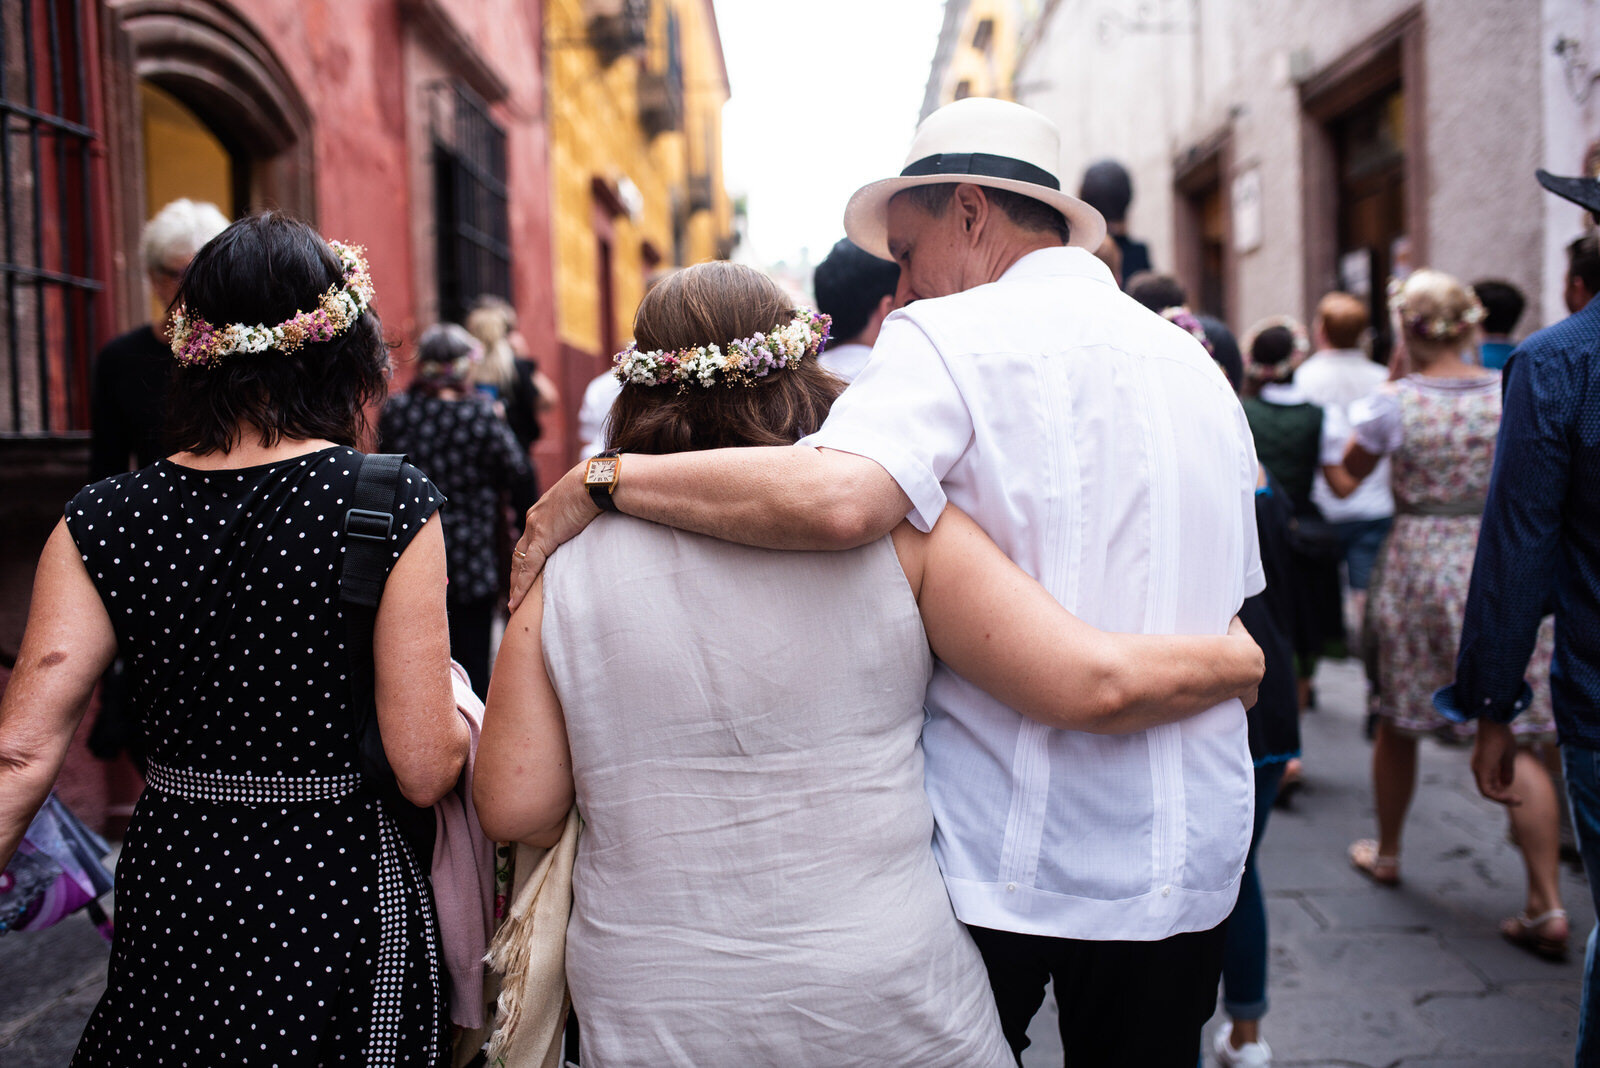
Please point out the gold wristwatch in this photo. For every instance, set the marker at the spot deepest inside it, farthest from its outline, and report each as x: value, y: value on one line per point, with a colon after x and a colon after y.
x: 600, y: 476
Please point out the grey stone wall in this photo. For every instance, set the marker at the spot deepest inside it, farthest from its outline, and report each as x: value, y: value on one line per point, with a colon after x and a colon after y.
x: 1146, y: 81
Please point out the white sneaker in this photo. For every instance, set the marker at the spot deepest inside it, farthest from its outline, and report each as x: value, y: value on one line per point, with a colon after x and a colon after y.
x: 1249, y: 1055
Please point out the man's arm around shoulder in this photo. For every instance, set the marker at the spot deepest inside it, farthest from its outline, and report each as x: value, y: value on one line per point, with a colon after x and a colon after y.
x: 792, y: 497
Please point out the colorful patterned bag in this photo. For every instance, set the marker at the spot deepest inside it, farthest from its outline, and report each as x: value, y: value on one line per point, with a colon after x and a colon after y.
x: 58, y: 869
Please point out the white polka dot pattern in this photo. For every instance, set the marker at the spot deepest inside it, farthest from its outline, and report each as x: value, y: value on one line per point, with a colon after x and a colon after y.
x: 249, y: 789
x: 267, y: 910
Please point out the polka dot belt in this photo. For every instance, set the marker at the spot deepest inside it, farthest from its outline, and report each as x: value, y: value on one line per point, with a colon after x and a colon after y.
x: 250, y: 789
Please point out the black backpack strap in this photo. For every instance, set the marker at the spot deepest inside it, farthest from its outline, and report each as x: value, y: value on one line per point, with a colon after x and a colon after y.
x: 369, y: 532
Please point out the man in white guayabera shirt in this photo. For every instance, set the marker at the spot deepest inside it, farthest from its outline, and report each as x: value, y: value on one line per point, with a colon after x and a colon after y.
x: 1100, y: 447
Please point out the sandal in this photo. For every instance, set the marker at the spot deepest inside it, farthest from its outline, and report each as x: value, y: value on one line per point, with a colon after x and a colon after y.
x: 1385, y: 871
x: 1529, y: 934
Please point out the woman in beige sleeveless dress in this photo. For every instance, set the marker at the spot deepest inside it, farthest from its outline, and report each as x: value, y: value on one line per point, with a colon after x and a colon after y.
x: 755, y: 884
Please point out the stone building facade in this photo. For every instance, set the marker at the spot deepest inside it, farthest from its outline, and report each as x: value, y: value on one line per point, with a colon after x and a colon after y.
x: 417, y: 128
x: 636, y: 93
x: 977, y: 50
x: 1282, y: 149
x: 551, y: 152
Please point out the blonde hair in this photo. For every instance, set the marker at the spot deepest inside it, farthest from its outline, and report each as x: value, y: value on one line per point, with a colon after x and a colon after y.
x: 491, y: 321
x: 1435, y: 310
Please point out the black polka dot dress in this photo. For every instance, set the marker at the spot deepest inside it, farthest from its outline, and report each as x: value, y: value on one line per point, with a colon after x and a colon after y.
x: 267, y: 909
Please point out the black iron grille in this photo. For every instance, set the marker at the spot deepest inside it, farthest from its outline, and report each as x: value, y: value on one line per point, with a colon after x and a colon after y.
x: 47, y: 221
x: 469, y: 170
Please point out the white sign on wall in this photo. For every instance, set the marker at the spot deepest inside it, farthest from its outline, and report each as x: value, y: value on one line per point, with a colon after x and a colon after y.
x: 1246, y: 197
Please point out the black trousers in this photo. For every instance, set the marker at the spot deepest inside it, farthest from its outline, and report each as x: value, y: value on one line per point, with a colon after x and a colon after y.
x: 1123, y: 1004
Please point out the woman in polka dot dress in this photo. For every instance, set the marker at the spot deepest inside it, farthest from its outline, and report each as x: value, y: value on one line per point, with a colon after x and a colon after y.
x: 267, y: 909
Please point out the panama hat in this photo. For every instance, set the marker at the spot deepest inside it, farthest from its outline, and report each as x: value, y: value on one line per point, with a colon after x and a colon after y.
x: 1584, y: 192
x: 992, y: 143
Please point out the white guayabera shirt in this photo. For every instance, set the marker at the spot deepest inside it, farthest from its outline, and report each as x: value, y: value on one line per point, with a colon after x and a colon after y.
x: 845, y: 360
x: 1103, y: 450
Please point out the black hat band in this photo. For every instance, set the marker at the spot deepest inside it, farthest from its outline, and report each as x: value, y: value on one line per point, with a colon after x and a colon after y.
x: 963, y: 164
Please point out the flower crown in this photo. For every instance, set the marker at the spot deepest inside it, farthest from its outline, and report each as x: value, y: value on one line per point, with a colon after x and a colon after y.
x: 742, y: 363
x: 1261, y: 373
x: 1433, y: 327
x: 1179, y: 315
x: 196, y: 343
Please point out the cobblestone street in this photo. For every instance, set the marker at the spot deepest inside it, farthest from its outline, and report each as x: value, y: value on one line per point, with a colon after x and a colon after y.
x: 1368, y: 977
x: 1361, y: 976
x: 51, y: 979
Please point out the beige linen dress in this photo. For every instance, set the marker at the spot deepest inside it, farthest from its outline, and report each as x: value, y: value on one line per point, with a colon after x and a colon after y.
x: 755, y: 884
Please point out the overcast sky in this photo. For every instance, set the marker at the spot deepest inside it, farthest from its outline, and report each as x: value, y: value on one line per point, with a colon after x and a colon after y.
x: 825, y: 100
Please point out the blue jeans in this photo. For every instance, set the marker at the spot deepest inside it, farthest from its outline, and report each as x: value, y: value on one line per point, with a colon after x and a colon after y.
x: 1363, y: 539
x: 1244, y: 955
x: 1583, y: 792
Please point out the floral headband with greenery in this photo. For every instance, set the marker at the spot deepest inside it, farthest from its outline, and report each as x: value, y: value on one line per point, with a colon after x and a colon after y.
x: 197, y: 343
x: 743, y: 363
x: 1433, y: 327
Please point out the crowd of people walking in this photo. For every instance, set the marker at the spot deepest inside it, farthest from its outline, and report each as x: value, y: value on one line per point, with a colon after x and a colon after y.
x: 884, y: 663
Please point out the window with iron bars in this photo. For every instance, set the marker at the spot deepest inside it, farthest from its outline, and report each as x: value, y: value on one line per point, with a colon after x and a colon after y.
x: 469, y: 175
x: 49, y: 268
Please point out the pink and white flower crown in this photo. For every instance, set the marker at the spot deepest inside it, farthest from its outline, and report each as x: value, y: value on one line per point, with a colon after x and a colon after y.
x: 744, y: 362
x: 196, y: 343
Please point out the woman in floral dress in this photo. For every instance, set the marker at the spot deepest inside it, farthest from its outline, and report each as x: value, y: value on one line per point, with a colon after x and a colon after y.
x: 1439, y: 424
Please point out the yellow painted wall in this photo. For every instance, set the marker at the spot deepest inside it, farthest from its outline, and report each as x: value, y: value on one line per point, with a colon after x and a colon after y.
x: 182, y: 158
x: 595, y: 132
x: 990, y: 71
x: 705, y: 91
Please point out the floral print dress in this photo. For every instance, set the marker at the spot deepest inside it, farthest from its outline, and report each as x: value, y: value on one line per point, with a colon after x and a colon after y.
x: 1440, y: 433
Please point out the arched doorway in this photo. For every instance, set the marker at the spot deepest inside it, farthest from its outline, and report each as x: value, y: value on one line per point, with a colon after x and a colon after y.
x: 211, y: 85
x: 183, y: 157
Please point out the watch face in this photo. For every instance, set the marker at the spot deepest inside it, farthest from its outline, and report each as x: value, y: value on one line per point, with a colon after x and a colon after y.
x: 601, y: 472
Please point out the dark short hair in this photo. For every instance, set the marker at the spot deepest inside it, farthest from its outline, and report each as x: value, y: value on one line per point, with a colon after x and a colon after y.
x: 445, y: 354
x: 1107, y: 189
x: 849, y: 283
x: 1502, y: 305
x: 1025, y: 211
x: 1583, y: 260
x: 1272, y: 346
x: 715, y: 303
x: 264, y: 269
x: 1224, y: 349
x: 1158, y: 292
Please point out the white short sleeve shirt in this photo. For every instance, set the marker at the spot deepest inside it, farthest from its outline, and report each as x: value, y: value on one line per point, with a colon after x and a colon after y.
x: 1104, y: 451
x: 846, y: 360
x: 1377, y: 423
x: 1337, y: 379
x: 594, y: 414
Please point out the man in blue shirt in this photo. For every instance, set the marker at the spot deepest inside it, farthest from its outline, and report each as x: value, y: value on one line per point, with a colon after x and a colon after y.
x: 1539, y: 550
x: 1502, y: 307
